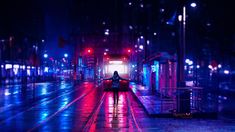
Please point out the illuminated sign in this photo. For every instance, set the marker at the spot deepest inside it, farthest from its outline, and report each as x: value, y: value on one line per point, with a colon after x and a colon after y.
x: 122, y: 69
x: 8, y: 66
x: 115, y: 62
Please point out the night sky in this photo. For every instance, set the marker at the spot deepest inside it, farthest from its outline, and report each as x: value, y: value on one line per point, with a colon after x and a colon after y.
x: 212, y: 21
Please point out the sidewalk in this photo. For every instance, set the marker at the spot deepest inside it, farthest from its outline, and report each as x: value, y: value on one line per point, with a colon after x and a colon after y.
x: 158, y: 106
x: 153, y: 104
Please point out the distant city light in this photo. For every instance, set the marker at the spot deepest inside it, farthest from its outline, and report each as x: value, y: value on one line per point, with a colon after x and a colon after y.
x: 105, y: 53
x: 2, y: 66
x: 15, y: 70
x: 46, y: 69
x: 141, y: 37
x: 8, y: 66
x: 106, y: 33
x: 6, y: 93
x: 130, y: 27
x: 219, y: 66
x: 190, y: 62
x: 180, y: 18
x: 133, y: 66
x: 22, y: 67
x: 142, y: 5
x: 28, y: 72
x: 130, y: 3
x: 66, y: 55
x: 136, y: 46
x: 45, y: 55
x: 106, y: 49
x: 154, y: 33
x: 64, y: 60
x: 162, y: 10
x: 141, y: 47
x: 226, y: 72
x: 208, y: 24
x: 148, y: 42
x: 16, y: 66
x: 198, y: 66
x: 210, y: 66
x: 187, y: 61
x: 43, y: 40
x: 103, y: 23
x: 193, y: 4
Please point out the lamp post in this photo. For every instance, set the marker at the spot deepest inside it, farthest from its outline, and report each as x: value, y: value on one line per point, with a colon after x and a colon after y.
x: 66, y: 63
x: 183, y: 96
x: 45, y: 64
x: 182, y: 44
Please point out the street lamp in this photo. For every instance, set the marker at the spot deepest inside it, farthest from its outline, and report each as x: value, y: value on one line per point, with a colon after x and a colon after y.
x: 183, y: 98
x: 66, y: 55
x: 45, y: 55
x: 181, y: 49
x: 193, y: 4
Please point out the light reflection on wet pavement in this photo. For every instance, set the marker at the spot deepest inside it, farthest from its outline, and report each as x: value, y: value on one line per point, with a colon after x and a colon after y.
x: 63, y: 107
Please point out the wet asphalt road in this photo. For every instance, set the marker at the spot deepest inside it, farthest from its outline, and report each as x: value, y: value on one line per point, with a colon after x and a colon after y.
x: 63, y: 106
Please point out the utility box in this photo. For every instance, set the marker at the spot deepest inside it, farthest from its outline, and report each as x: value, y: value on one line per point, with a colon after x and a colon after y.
x: 183, y: 100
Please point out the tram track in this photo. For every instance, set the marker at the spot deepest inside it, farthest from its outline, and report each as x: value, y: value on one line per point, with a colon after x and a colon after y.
x: 95, y: 112
x: 132, y: 113
x: 39, y: 99
x: 43, y: 103
x: 60, y: 110
x: 93, y: 117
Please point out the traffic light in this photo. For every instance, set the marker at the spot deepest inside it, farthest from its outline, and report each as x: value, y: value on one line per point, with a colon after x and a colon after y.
x: 89, y: 51
x: 128, y: 50
x: 89, y: 57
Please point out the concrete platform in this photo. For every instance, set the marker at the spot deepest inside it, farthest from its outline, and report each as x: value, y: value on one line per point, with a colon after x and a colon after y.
x: 157, y: 106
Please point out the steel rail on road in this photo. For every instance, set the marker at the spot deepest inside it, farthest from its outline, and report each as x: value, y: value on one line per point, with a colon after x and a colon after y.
x: 60, y: 110
x: 132, y: 113
x: 43, y: 103
x: 93, y: 117
x: 4, y: 108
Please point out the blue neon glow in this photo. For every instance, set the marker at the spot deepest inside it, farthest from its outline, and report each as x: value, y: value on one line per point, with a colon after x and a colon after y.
x: 45, y: 55
x: 146, y: 75
x: 156, y: 63
x: 46, y: 69
x: 226, y: 72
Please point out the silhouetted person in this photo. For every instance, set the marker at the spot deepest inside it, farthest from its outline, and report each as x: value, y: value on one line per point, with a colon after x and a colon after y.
x: 115, y: 85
